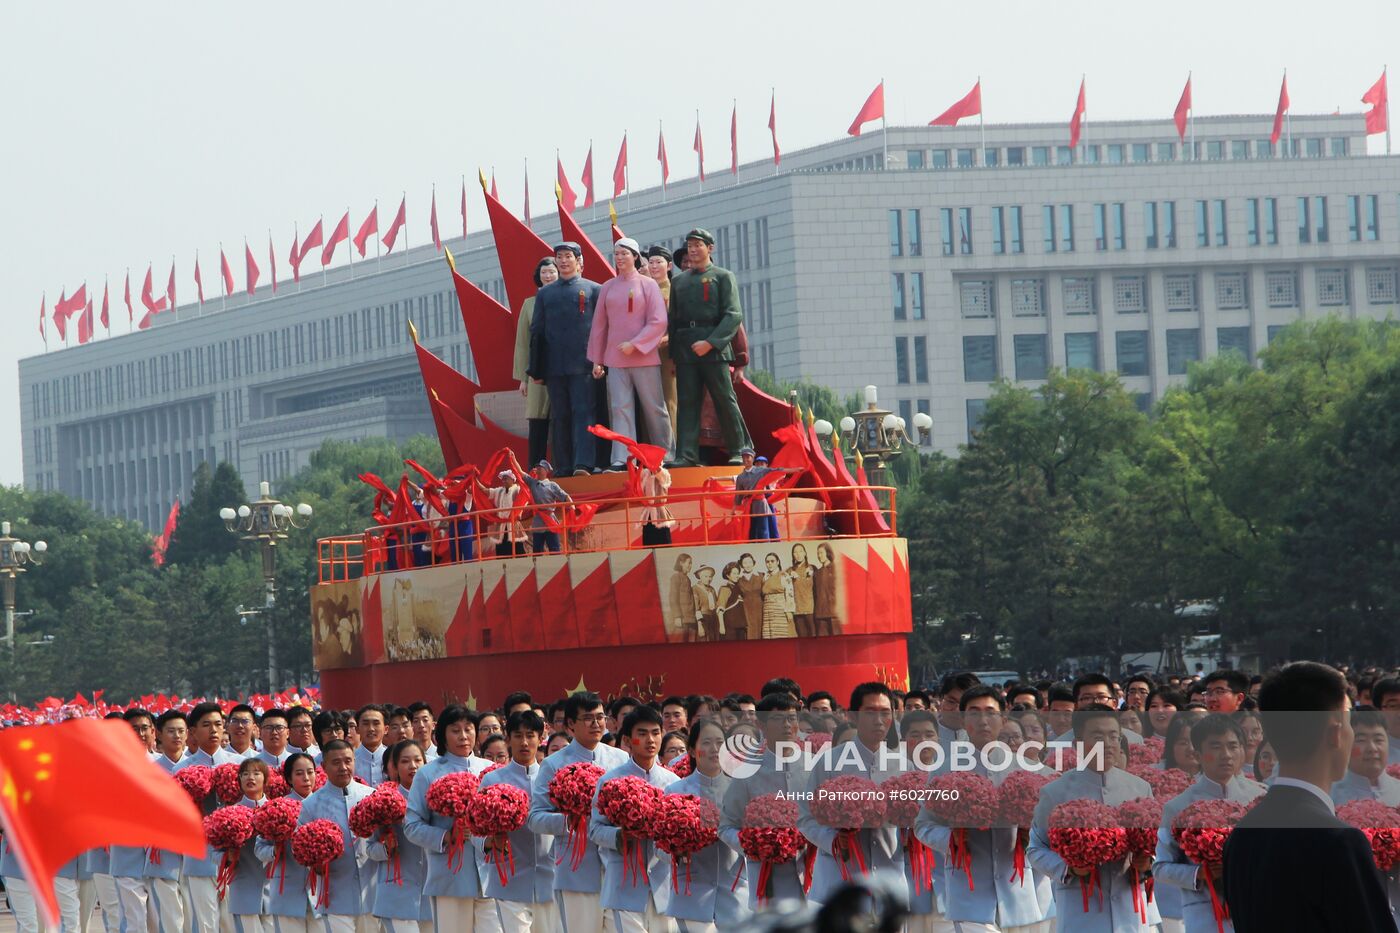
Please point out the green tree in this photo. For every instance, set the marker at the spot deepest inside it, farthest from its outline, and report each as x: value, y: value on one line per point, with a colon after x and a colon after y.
x: 200, y: 536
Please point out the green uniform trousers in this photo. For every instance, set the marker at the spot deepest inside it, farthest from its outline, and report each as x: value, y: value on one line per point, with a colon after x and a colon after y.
x: 714, y: 378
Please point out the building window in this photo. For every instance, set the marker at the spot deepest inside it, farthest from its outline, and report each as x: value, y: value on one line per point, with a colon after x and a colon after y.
x: 1115, y: 153
x: 1304, y: 224
x: 1149, y: 224
x: 1202, y: 223
x: 1166, y: 152
x: 1183, y: 349
x: 1080, y: 294
x: 945, y: 224
x: 897, y: 292
x: 1320, y: 218
x: 1231, y: 291
x: 1273, y: 331
x: 1221, y: 238
x: 1372, y: 207
x: 1064, y: 155
x: 914, y: 158
x: 916, y: 296
x: 991, y: 157
x: 1129, y: 294
x: 1040, y: 155
x: 1251, y: 221
x: 966, y: 158
x: 916, y: 237
x: 1354, y: 217
x: 975, y: 298
x: 1314, y: 147
x: 1067, y: 228
x: 1332, y: 291
x: 1271, y: 221
x: 965, y: 230
x: 1015, y: 155
x: 1380, y: 285
x: 979, y: 359
x: 1047, y: 226
x: 1234, y: 340
x: 1239, y: 149
x: 1018, y: 244
x: 1091, y: 155
x: 896, y: 235
x: 976, y: 408
x: 1263, y: 149
x: 920, y: 361
x: 1281, y: 288
x: 1142, y: 152
x: 1031, y: 362
x: 1169, y: 224
x: 999, y: 230
x: 1120, y: 239
x: 1132, y: 352
x: 925, y: 439
x: 1215, y: 150
x: 1180, y: 290
x: 901, y: 360
x: 1028, y: 297
x: 1100, y: 226
x: 1339, y: 146
x: 940, y: 158
x: 1082, y: 351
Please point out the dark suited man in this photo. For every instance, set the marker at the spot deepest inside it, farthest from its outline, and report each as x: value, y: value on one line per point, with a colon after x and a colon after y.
x: 1291, y: 864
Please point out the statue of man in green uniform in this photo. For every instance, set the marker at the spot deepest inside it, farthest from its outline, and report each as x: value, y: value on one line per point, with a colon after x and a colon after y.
x: 704, y: 316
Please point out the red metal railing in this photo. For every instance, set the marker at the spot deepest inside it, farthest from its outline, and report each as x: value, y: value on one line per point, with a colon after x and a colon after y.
x: 700, y: 518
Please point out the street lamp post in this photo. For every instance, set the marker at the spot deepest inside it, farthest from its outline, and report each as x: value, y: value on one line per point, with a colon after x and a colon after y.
x: 267, y: 522
x: 876, y: 433
x: 14, y: 554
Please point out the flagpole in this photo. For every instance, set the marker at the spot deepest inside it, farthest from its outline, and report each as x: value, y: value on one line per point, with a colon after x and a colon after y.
x: 1385, y: 78
x: 1083, y: 123
x: 126, y: 300
x: 593, y: 215
x: 377, y: 244
x: 627, y: 177
x: 323, y: 249
x: 884, y: 131
x: 981, y: 122
x: 734, y: 156
x: 1191, y: 118
x: 350, y: 250
x: 699, y: 157
x: 296, y: 242
x: 661, y: 136
x: 773, y: 112
x: 223, y: 292
x: 1288, y: 121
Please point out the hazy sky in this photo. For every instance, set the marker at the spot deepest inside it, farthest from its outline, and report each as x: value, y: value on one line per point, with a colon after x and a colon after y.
x: 132, y: 132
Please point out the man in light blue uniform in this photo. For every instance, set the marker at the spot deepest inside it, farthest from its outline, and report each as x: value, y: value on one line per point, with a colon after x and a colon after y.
x: 206, y: 724
x: 526, y: 900
x: 1219, y: 743
x: 126, y: 865
x: 1366, y: 778
x: 1385, y: 696
x: 345, y: 910
x: 369, y: 757
x: 631, y: 904
x: 867, y: 756
x: 576, y: 890
x: 1099, y: 734
x: 420, y: 719
x: 240, y: 726
x: 161, y: 869
x: 274, y: 730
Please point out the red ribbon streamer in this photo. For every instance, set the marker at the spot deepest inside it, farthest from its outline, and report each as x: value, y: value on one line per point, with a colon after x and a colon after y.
x: 228, y: 866
x: 1220, y: 908
x: 456, y: 843
x: 394, y: 875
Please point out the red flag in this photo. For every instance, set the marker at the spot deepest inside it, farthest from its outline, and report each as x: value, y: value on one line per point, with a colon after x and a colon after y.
x: 370, y: 225
x: 661, y: 156
x: 56, y: 805
x: 464, y: 207
x: 395, y: 226
x: 198, y: 280
x: 43, y: 313
x: 250, y: 268
x: 294, y: 258
x: 71, y: 306
x: 734, y: 140
x: 1077, y: 120
x: 126, y: 295
x: 60, y: 319
x: 969, y: 106
x: 1378, y: 117
x: 227, y: 271
x: 1282, y: 109
x: 620, y: 169
x: 147, y: 299
x: 488, y: 324
x: 600, y: 267
x: 162, y: 542
x: 85, y: 324
x: 272, y: 262
x: 338, y: 236
x: 567, y: 199
x: 1183, y: 108
x: 872, y: 109
x: 588, y: 178
x: 106, y: 321
x: 170, y: 286
x: 518, y: 250
x: 432, y: 222
x: 313, y: 239
x: 773, y: 127
x: 699, y: 147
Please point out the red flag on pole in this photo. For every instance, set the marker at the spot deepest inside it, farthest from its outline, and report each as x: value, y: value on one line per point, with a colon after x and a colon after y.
x: 106, y: 320
x: 464, y: 207
x: 85, y: 324
x: 162, y: 542
x: 294, y: 258
x: 567, y: 198
x: 340, y: 234
x: 60, y: 319
x: 1077, y: 120
x: 1183, y: 109
x: 170, y: 286
x: 395, y: 226
x: 620, y: 169
x: 272, y: 262
x: 126, y: 295
x: 661, y: 156
x: 148, y: 299
x: 969, y: 106
x: 43, y: 313
x: 227, y: 272
x: 432, y: 222
x: 588, y: 178
x: 198, y: 280
x: 1282, y: 109
x: 250, y: 269
x: 699, y: 147
x: 370, y: 225
x: 313, y: 239
x: 75, y: 304
x: 773, y: 127
x: 733, y: 139
x: 1378, y: 117
x: 872, y: 109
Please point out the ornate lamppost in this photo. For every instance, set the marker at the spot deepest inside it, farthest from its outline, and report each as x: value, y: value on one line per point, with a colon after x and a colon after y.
x: 876, y: 434
x: 14, y: 555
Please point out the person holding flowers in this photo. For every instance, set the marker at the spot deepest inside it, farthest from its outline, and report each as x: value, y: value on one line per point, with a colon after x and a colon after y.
x: 288, y: 897
x: 1097, y: 732
x: 705, y: 896
x: 524, y: 891
x: 245, y: 892
x: 577, y: 881
x: 1219, y: 743
x: 1366, y: 778
x: 635, y: 894
x: 206, y: 731
x: 399, y: 899
x: 344, y: 904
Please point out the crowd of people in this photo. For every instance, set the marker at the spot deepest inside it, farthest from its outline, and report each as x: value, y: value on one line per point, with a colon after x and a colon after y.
x: 1201, y: 738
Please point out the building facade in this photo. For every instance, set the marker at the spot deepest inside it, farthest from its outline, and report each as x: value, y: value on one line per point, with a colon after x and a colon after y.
x: 972, y: 255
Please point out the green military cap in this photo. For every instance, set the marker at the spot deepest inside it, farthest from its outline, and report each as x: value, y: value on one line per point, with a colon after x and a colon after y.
x: 701, y: 234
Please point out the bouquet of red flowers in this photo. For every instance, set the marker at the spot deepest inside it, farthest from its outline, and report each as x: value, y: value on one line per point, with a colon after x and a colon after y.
x: 489, y: 768
x: 381, y: 810
x: 818, y: 740
x: 683, y: 825
x: 1200, y: 831
x: 276, y: 785
x: 848, y: 804
x: 961, y: 801
x: 1062, y: 758
x: 320, y: 781
x: 681, y: 765
x: 630, y: 803
x: 571, y: 790
x: 227, y: 830
x: 1140, y: 818
x: 903, y: 801
x: 1166, y: 784
x: 770, y: 837
x: 276, y: 821
x: 1016, y: 800
x: 451, y: 796
x: 1393, y: 770
x: 1381, y: 824
x: 197, y: 780
x: 1140, y: 756
x: 496, y: 811
x: 226, y: 785
x: 1086, y: 834
x: 316, y: 845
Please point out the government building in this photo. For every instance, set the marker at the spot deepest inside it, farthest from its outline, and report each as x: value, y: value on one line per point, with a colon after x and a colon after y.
x: 929, y: 261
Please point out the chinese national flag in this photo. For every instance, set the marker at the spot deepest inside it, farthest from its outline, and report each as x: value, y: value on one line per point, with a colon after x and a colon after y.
x: 432, y: 222
x: 661, y: 157
x: 227, y: 272
x: 250, y: 269
x: 620, y: 169
x: 313, y: 239
x: 81, y: 785
x: 370, y: 225
x: 1278, y: 114
x: 272, y: 262
x: 734, y: 140
x: 106, y: 320
x: 126, y: 296
x: 43, y: 312
x: 85, y: 324
x: 1077, y: 120
x: 1378, y: 117
x: 294, y: 258
x: 340, y: 234
x: 464, y: 207
x: 969, y: 106
x: 170, y: 286
x: 60, y: 319
x: 395, y: 226
x: 588, y: 179
x: 567, y: 198
x: 1183, y: 109
x: 198, y: 280
x: 872, y: 109
x: 773, y: 127
x: 699, y: 148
